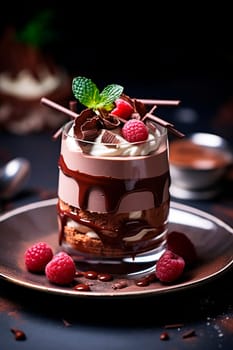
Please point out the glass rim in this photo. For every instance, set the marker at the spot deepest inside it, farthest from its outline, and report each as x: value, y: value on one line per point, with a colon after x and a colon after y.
x: 65, y: 131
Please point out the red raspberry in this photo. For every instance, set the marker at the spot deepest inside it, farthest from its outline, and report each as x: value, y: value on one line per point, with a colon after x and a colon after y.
x: 123, y: 109
x: 61, y: 269
x: 37, y: 256
x: 169, y: 267
x: 134, y: 131
x: 181, y: 245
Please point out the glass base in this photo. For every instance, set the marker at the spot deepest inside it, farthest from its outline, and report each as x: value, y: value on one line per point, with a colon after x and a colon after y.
x: 141, y: 263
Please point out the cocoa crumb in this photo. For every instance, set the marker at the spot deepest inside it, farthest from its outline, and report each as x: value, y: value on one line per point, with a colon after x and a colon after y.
x: 120, y: 285
x: 189, y: 333
x: 19, y: 334
x: 174, y: 325
x: 164, y: 336
x: 66, y: 323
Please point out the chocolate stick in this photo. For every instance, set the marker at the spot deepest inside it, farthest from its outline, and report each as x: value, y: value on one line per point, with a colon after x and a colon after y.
x: 57, y: 133
x: 164, y: 123
x: 175, y: 131
x: 152, y: 109
x: 160, y: 102
x: 59, y: 108
x: 158, y: 120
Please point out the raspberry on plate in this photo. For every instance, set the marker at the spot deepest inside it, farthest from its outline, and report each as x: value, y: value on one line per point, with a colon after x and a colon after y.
x: 181, y: 245
x: 135, y: 130
x: 61, y: 269
x: 169, y: 267
x: 37, y: 256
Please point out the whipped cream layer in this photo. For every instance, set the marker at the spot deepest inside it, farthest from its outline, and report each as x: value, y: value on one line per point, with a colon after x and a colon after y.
x: 123, y: 148
x: 145, y: 177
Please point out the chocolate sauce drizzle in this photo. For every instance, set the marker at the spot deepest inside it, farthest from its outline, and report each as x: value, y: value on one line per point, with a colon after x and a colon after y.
x: 113, y: 198
x: 128, y: 228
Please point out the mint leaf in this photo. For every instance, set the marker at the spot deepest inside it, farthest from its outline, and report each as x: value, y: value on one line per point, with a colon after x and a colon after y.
x: 109, y: 94
x: 88, y: 94
x: 85, y: 91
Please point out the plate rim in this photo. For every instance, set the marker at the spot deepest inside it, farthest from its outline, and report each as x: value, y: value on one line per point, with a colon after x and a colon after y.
x: 120, y: 294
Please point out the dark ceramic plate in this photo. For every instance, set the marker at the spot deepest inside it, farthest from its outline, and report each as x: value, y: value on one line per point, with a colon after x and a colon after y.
x: 22, y: 227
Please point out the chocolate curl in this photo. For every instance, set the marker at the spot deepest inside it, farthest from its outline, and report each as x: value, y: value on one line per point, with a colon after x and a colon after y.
x: 111, y: 124
x: 87, y: 125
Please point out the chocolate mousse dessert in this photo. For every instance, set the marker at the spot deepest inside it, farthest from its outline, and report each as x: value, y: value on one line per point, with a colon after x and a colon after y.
x: 27, y: 73
x: 113, y: 190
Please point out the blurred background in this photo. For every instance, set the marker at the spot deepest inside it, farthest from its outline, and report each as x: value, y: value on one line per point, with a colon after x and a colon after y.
x: 152, y: 51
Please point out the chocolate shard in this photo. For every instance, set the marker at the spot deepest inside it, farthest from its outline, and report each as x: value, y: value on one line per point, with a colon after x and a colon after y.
x: 140, y: 108
x: 109, y: 138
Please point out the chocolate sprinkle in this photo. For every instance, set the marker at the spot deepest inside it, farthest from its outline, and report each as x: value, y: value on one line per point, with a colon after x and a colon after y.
x: 189, y: 333
x: 120, y: 285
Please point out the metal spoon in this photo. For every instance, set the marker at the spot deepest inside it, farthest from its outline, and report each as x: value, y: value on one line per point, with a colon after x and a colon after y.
x: 13, y: 177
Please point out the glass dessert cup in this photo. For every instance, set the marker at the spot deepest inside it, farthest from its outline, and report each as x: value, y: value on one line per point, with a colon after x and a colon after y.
x: 113, y: 202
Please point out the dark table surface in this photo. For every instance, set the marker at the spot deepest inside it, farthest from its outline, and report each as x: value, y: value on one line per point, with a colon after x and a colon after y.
x: 61, y: 322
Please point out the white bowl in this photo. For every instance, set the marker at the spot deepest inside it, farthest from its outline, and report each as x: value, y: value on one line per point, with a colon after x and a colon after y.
x: 199, y: 161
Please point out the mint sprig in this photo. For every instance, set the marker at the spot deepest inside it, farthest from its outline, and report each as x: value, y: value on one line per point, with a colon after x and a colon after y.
x: 37, y: 32
x: 87, y: 93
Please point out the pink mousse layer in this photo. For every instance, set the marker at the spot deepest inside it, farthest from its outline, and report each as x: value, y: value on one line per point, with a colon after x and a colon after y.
x: 127, y: 168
